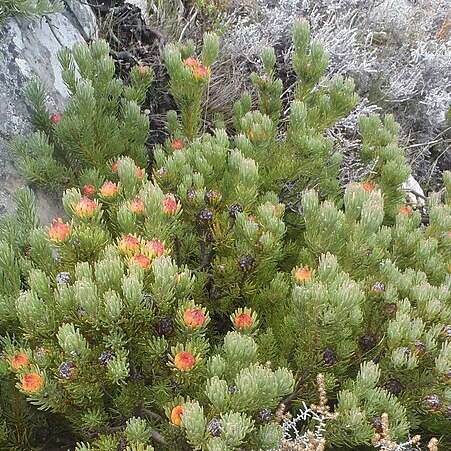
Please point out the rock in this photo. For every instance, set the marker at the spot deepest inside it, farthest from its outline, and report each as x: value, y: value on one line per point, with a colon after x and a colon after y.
x: 83, y: 18
x: 414, y: 193
x: 143, y: 6
x: 30, y: 49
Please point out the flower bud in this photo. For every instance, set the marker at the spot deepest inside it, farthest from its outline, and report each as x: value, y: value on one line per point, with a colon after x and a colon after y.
x: 184, y: 361
x: 86, y: 208
x: 55, y: 118
x: 243, y: 321
x: 88, y: 190
x: 405, y: 211
x: 176, y: 415
x: 155, y: 247
x: 191, y: 62
x: 142, y: 260
x: 137, y: 205
x: 139, y: 172
x: 19, y: 360
x: 115, y: 167
x: 142, y: 70
x: 177, y: 144
x: 108, y: 189
x: 59, y: 231
x: 302, y: 275
x: 368, y: 187
x: 193, y: 318
x: 129, y: 243
x: 170, y: 205
x: 201, y: 72
x: 32, y: 382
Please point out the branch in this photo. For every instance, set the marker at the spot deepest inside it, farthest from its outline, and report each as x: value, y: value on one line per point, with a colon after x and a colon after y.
x: 287, y: 401
x: 157, y: 437
x: 207, y: 255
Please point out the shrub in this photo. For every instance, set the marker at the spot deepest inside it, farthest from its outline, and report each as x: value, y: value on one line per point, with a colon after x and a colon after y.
x: 192, y: 308
x: 28, y: 9
x: 102, y: 121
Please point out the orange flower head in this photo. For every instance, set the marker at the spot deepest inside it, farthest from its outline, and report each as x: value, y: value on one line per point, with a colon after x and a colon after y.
x: 137, y: 205
x: 176, y: 415
x: 170, y: 204
x: 142, y: 70
x: 129, y: 243
x: 86, y: 208
x: 368, y: 187
x: 88, y: 190
x: 19, y: 361
x: 177, y: 144
x: 32, y: 382
x: 191, y: 62
x: 115, y: 167
x: 243, y: 321
x: 55, y: 118
x: 142, y: 260
x: 405, y: 211
x: 201, y: 72
x: 59, y: 231
x: 139, y: 173
x: 108, y: 189
x: 156, y: 247
x: 193, y: 318
x: 184, y: 361
x: 302, y: 274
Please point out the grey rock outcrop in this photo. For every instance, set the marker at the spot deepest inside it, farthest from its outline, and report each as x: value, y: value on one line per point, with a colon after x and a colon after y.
x: 30, y: 49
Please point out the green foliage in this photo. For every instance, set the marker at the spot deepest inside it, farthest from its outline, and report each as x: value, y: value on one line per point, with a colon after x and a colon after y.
x: 191, y: 307
x: 101, y: 122
x: 189, y: 78
x: 28, y: 9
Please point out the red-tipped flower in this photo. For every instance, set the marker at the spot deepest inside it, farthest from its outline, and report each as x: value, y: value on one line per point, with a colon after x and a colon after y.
x: 177, y: 144
x: 193, y: 318
x: 59, y: 231
x: 142, y: 70
x: 115, y: 167
x: 129, y: 243
x: 170, y: 204
x: 137, y: 205
x: 139, y: 173
x: 88, y: 190
x: 55, y: 118
x: 176, y: 415
x: 155, y: 247
x: 302, y: 274
x: 142, y: 260
x: 200, y: 72
x: 243, y: 321
x: 368, y: 187
x: 32, y: 382
x: 108, y: 189
x: 184, y: 361
x: 86, y: 208
x: 405, y: 211
x: 191, y: 62
x: 19, y: 360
